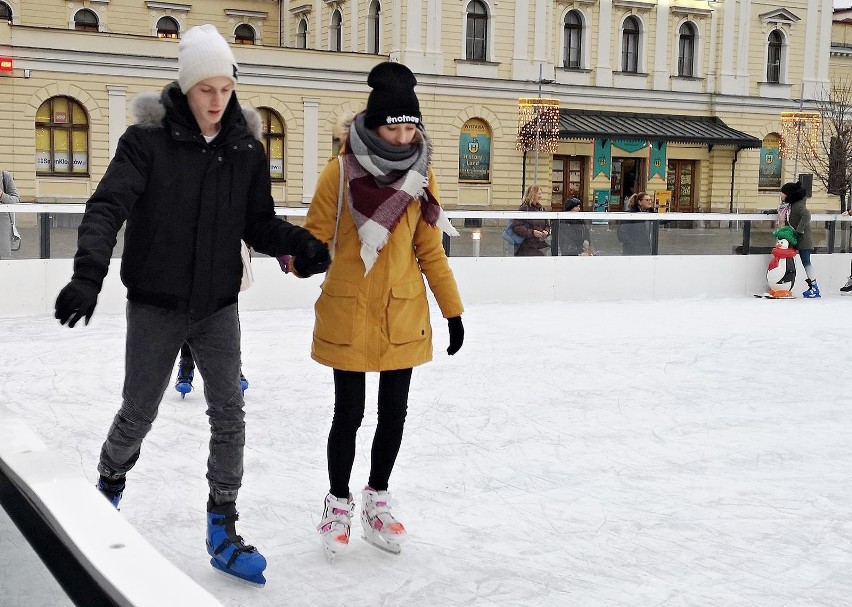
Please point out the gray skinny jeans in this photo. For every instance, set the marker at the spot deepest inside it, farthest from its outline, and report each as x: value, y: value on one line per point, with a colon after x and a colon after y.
x: 154, y: 338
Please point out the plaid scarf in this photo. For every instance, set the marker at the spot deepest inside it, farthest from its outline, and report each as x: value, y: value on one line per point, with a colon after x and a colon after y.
x: 383, y: 179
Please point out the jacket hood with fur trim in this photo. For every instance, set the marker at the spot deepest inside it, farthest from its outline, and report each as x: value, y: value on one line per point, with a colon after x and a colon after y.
x: 149, y: 110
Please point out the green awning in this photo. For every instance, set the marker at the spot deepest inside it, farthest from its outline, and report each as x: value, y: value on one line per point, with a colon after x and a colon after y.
x: 704, y: 130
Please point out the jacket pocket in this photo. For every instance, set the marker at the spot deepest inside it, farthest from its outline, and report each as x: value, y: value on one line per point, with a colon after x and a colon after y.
x: 408, y: 312
x: 335, y: 312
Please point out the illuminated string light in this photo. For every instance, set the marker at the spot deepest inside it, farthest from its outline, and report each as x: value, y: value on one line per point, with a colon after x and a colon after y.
x: 538, y: 124
x: 799, y: 130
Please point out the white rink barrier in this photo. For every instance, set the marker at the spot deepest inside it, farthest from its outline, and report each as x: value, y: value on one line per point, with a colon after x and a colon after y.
x: 30, y: 286
x: 116, y: 564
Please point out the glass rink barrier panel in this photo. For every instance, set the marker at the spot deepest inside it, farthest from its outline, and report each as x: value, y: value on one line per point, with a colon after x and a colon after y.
x: 49, y: 231
x: 485, y: 234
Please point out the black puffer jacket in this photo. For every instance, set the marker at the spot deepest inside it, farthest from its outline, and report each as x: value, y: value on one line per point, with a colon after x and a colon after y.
x: 187, y: 204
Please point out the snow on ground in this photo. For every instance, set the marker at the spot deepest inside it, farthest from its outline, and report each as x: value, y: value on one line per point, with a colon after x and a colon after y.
x: 681, y: 452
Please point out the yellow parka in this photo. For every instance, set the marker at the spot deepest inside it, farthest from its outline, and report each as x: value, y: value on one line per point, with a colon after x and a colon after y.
x: 377, y: 322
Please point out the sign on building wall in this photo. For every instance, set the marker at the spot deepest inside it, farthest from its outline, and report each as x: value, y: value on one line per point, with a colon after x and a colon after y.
x: 603, y: 158
x: 475, y: 151
x: 770, y: 163
x: 657, y: 160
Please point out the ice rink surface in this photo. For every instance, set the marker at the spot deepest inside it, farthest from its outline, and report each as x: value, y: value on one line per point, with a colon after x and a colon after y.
x: 680, y: 452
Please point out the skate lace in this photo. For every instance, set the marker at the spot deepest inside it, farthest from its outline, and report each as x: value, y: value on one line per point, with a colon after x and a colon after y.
x: 378, y: 507
x: 231, y: 539
x: 337, y: 513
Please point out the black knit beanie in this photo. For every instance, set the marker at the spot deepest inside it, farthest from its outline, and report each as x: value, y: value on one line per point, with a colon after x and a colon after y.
x: 794, y: 190
x: 392, y: 100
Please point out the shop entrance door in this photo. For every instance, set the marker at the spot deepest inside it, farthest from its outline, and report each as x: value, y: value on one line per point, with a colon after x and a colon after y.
x: 680, y: 180
x: 627, y: 178
x: 569, y: 174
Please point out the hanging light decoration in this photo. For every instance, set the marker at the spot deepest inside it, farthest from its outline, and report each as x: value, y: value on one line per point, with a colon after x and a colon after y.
x: 799, y: 131
x: 538, y: 124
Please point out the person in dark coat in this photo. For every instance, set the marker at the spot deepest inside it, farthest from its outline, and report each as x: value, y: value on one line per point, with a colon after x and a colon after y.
x: 190, y: 179
x: 794, y: 195
x: 575, y: 238
x: 635, y: 236
x: 534, y: 231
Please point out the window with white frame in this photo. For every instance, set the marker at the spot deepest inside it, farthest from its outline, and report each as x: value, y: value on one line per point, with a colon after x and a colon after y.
x: 302, y: 33
x: 5, y: 12
x: 631, y: 32
x: 573, y: 40
x: 476, y: 36
x: 335, y: 42
x: 774, y: 56
x: 686, y: 50
x: 244, y: 34
x: 273, y: 142
x: 85, y: 20
x: 167, y: 27
x: 374, y: 27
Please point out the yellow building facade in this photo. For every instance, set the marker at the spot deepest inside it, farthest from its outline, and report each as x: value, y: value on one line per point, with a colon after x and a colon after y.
x: 714, y: 77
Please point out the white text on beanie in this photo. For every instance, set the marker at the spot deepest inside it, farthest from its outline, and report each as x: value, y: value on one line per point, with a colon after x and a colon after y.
x: 203, y: 53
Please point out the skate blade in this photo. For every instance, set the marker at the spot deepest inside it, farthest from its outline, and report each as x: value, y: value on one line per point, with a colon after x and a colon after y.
x: 258, y: 581
x: 389, y: 547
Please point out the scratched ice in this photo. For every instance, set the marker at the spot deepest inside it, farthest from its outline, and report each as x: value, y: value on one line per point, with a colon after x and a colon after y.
x: 682, y: 452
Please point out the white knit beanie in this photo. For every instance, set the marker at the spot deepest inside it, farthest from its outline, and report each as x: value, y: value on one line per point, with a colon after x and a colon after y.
x: 203, y: 53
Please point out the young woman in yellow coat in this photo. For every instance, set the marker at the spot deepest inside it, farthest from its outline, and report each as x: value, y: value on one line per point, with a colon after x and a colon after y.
x: 372, y: 314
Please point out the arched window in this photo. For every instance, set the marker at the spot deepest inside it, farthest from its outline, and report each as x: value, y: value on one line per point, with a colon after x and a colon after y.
x: 273, y: 142
x: 336, y: 32
x: 774, y: 56
x: 476, y: 36
x: 374, y: 16
x: 244, y: 34
x: 167, y: 27
x: 630, y: 33
x: 302, y: 33
x: 573, y: 40
x: 5, y: 12
x: 85, y: 21
x: 62, y: 137
x: 686, y: 50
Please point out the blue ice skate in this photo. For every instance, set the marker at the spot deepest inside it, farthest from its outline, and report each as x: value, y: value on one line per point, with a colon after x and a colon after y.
x: 183, y: 384
x: 813, y: 290
x: 112, y: 492
x: 230, y: 554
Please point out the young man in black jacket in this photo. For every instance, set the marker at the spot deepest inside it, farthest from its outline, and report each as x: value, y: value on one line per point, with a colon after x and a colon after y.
x: 191, y: 179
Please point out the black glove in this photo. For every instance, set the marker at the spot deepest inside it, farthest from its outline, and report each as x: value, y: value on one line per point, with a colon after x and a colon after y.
x: 456, y: 334
x: 311, y: 258
x: 76, y: 300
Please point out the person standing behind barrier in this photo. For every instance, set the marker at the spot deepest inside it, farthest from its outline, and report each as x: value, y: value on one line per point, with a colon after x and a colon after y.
x: 534, y: 231
x: 191, y: 179
x: 635, y: 236
x: 373, y: 314
x: 8, y: 195
x: 575, y: 238
x: 794, y: 194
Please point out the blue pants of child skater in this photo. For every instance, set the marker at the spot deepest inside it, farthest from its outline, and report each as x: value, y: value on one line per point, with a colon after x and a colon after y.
x: 154, y: 337
x: 805, y: 255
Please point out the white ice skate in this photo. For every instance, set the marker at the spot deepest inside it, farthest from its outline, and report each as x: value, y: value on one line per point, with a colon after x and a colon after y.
x: 381, y: 529
x: 336, y: 525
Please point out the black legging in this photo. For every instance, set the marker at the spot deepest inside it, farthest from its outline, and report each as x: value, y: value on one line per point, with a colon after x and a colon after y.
x: 349, y: 396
